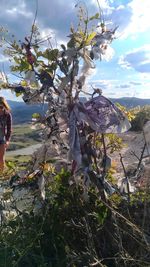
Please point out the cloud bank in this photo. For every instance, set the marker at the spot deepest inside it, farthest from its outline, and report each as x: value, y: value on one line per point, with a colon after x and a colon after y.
x: 138, y: 59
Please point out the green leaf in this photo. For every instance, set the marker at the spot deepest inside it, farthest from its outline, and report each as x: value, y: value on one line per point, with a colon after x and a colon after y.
x: 23, y: 66
x: 17, y: 60
x: 39, y: 54
x: 15, y: 68
x: 36, y: 115
x: 24, y: 83
x: 53, y: 66
x: 71, y: 43
x: 64, y: 67
x: 96, y: 16
x: 11, y: 164
x: 19, y: 94
x: 51, y: 54
x: 90, y: 38
x: 63, y: 47
x: 86, y: 21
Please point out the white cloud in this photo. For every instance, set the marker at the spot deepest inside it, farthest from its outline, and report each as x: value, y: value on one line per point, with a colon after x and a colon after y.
x: 131, y: 17
x: 116, y: 88
x: 103, y: 4
x: 137, y: 59
x: 55, y: 18
x: 135, y: 83
x: 103, y: 84
x: 123, y: 86
x: 19, y: 10
x: 140, y: 17
x: 144, y: 76
x: 138, y: 21
x: 143, y: 93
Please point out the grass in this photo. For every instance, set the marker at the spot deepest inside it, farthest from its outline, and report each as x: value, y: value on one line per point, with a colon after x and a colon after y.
x: 18, y: 158
x: 17, y: 145
x: 23, y: 136
x: 21, y: 129
x: 19, y: 162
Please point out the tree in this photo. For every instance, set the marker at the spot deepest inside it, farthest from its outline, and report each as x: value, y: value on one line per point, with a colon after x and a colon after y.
x: 53, y: 75
x: 64, y: 230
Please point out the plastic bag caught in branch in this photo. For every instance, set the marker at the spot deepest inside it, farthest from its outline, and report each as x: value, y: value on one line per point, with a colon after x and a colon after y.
x: 88, y: 65
x: 101, y: 45
x: 30, y: 78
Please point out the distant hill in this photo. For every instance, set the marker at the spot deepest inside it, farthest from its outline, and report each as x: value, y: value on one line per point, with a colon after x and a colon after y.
x: 131, y: 102
x: 22, y: 113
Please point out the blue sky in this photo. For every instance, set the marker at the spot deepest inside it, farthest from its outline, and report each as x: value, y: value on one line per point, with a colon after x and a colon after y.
x: 126, y: 74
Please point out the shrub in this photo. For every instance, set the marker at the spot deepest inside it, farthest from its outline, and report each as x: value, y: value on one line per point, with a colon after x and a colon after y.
x: 141, y: 117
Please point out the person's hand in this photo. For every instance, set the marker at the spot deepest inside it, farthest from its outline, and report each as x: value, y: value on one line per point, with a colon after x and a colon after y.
x: 7, y: 144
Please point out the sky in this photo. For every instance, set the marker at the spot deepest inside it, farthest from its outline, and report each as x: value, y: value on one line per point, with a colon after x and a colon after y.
x: 126, y: 74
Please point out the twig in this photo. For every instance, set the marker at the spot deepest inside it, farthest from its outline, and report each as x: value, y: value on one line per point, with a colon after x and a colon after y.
x: 141, y: 157
x: 105, y: 155
x: 128, y: 222
x: 125, y: 173
x: 34, y: 21
x: 132, y: 153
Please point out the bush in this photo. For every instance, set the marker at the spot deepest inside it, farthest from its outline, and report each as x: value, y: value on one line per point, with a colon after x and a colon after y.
x: 70, y: 232
x: 141, y: 117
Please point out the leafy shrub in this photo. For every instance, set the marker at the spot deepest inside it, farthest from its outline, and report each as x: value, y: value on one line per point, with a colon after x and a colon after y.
x: 60, y: 233
x: 141, y: 117
x: 71, y: 232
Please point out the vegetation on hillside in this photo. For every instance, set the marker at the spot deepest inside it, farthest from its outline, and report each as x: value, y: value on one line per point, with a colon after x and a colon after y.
x: 65, y: 230
x: 23, y: 136
x: 142, y: 115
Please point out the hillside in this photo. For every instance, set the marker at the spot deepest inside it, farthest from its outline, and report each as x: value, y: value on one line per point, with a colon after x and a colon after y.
x: 22, y: 113
x: 131, y: 102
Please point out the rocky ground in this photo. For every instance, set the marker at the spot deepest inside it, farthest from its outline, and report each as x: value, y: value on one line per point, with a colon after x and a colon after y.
x: 131, y: 153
